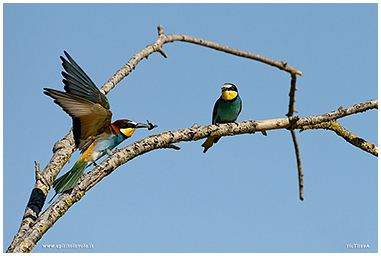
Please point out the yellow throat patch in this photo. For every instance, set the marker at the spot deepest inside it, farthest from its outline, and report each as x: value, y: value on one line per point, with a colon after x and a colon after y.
x: 229, y: 95
x: 128, y: 131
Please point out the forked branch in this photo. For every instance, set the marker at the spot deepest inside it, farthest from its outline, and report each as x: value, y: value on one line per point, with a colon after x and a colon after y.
x: 161, y: 140
x: 291, y: 111
x: 34, y: 225
x: 163, y: 39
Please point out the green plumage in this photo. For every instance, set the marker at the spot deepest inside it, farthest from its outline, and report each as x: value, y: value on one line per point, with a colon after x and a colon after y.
x: 69, y: 179
x: 226, y: 110
x: 94, y: 134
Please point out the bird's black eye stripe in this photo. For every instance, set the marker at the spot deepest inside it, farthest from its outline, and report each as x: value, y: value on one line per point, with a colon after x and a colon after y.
x: 126, y: 125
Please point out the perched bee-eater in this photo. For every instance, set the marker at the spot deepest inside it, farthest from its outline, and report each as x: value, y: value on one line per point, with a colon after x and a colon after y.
x: 226, y: 110
x: 94, y: 134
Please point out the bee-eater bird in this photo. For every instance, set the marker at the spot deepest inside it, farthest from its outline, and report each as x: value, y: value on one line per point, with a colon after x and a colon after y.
x: 94, y: 134
x: 226, y: 110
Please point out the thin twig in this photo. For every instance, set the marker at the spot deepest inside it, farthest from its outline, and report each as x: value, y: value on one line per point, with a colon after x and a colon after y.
x: 291, y: 108
x: 341, y: 112
x: 291, y: 111
x: 299, y: 163
x: 163, y: 39
x: 219, y: 47
x: 133, y: 62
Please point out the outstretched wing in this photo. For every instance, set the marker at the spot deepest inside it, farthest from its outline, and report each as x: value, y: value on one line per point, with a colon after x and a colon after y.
x: 89, y: 118
x: 78, y: 83
x: 83, y: 101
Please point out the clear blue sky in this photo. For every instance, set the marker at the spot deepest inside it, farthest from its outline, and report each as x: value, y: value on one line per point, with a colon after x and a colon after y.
x: 242, y: 195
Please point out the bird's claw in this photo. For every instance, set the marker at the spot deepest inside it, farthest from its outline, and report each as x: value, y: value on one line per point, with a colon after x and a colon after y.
x: 114, y: 151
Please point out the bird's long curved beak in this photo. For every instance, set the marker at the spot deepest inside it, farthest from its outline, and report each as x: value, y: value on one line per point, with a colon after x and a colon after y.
x: 141, y: 125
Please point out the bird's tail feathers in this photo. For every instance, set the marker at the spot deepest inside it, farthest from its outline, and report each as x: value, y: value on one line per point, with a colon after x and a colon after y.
x: 209, y: 142
x: 70, y: 179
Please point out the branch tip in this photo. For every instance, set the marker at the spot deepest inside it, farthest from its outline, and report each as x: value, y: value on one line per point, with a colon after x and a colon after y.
x: 160, y: 30
x: 39, y: 176
x: 299, y: 165
x: 173, y: 146
x: 356, y: 141
x: 162, y: 52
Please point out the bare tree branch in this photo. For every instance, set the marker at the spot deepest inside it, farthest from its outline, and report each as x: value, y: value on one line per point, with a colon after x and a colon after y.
x: 219, y: 47
x: 62, y: 151
x: 34, y: 226
x: 133, y: 62
x: 291, y: 111
x: 291, y: 108
x: 341, y: 112
x: 333, y: 125
x: 162, y: 140
x: 163, y: 39
x: 299, y: 165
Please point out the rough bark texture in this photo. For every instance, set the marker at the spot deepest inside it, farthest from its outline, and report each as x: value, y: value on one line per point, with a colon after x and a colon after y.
x: 34, y: 225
